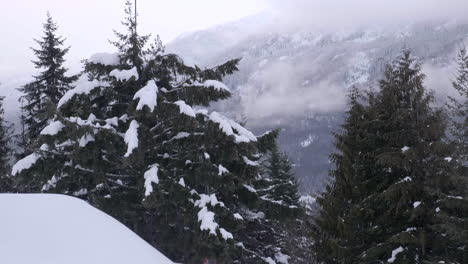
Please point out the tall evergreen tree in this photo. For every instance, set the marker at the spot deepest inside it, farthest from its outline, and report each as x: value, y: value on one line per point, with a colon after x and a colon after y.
x: 452, y: 220
x: 6, y: 184
x: 334, y: 231
x: 459, y: 107
x: 396, y: 214
x: 279, y: 196
x: 281, y: 185
x: 133, y: 139
x: 41, y: 95
x: 390, y: 209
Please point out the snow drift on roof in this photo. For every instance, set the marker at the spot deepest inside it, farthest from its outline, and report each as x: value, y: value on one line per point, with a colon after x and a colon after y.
x: 66, y: 230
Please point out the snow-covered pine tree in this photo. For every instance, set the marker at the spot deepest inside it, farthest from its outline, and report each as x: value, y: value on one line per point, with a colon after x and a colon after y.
x: 335, y: 231
x: 41, y: 95
x: 6, y: 184
x: 133, y: 139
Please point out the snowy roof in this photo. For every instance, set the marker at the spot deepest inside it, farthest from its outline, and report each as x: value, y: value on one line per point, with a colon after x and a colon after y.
x: 57, y: 229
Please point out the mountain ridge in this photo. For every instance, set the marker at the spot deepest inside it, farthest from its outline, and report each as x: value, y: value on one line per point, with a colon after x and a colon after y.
x: 297, y: 78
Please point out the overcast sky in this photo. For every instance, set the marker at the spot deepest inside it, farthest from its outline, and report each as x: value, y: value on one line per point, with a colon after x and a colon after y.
x: 88, y: 24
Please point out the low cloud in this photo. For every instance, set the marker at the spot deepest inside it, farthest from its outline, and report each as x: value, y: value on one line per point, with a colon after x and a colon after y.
x: 439, y: 80
x: 341, y: 14
x: 283, y: 89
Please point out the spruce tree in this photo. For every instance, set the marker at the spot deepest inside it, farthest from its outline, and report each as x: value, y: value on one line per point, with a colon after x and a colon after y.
x: 6, y: 183
x: 451, y: 185
x: 133, y: 139
x: 41, y: 95
x: 335, y: 232
x: 281, y: 185
x: 459, y: 107
x: 393, y: 197
x: 280, y: 214
x: 410, y: 131
x: 280, y: 199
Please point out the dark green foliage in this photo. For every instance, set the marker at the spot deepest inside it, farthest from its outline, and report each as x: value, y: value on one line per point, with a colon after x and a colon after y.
x: 452, y: 182
x: 459, y: 107
x: 42, y: 94
x: 385, y: 202
x: 334, y: 239
x: 278, y: 189
x: 284, y: 223
x: 6, y: 184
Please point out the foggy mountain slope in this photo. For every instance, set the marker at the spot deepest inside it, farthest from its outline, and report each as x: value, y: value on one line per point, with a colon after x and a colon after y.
x: 296, y: 78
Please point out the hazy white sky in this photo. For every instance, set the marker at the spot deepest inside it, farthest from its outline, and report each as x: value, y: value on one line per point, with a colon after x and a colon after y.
x: 88, y: 24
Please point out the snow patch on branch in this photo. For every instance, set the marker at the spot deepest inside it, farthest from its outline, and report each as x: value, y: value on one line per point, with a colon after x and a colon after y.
x: 228, y: 126
x: 182, y: 182
x: 81, y: 192
x: 185, y: 108
x: 25, y: 163
x: 455, y: 197
x: 208, y: 199
x: 216, y: 84
x: 249, y: 162
x: 105, y: 59
x: 84, y: 140
x: 82, y: 86
x: 225, y: 234
x: 394, y: 254
x: 53, y: 128
x: 222, y: 122
x: 222, y: 170
x: 148, y: 96
x: 50, y: 184
x: 250, y: 188
x: 131, y: 138
x: 207, y: 218
x: 151, y: 176
x: 282, y: 258
x: 181, y: 135
x: 207, y: 222
x: 123, y: 75
x: 406, y: 179
x: 238, y: 216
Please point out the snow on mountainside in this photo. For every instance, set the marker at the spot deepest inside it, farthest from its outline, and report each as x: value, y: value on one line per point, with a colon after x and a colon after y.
x: 57, y: 229
x: 297, y: 78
